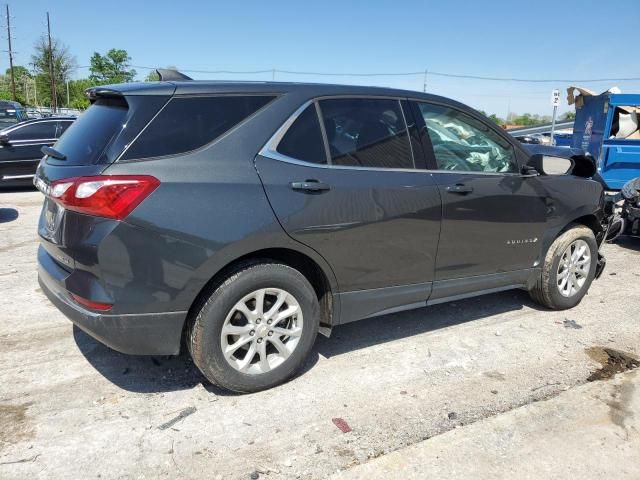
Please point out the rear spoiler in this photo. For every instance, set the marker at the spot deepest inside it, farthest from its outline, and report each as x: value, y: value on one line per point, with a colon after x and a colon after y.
x: 139, y: 88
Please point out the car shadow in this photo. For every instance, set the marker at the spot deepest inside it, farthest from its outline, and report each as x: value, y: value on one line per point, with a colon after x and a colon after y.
x: 628, y: 241
x: 8, y: 215
x: 145, y: 374
x: 387, y: 328
x: 25, y: 188
x: 140, y: 373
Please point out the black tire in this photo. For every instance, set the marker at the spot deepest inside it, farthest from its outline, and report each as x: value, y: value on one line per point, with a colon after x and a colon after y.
x: 545, y: 290
x: 204, y: 337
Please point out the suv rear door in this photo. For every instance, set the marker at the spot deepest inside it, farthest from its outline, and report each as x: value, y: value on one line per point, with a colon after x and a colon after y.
x: 341, y: 178
x: 493, y: 218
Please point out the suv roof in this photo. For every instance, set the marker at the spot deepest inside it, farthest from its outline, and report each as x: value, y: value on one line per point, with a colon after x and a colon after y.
x: 199, y: 87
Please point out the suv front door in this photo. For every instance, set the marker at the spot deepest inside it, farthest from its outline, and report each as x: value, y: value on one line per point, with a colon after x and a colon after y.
x: 348, y: 188
x: 493, y: 218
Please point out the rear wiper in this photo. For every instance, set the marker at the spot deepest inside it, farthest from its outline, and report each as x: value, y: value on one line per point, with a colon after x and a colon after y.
x: 52, y: 152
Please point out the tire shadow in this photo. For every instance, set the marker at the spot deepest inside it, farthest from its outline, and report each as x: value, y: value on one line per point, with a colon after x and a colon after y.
x: 8, y: 215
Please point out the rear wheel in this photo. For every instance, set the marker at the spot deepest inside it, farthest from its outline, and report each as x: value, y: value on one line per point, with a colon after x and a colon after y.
x: 568, y: 269
x: 256, y: 329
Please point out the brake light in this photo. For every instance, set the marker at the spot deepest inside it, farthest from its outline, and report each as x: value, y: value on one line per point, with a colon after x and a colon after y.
x: 103, y: 307
x: 109, y: 196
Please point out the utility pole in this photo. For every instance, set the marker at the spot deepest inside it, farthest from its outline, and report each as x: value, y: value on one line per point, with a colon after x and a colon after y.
x: 424, y: 83
x: 54, y: 99
x: 13, y: 80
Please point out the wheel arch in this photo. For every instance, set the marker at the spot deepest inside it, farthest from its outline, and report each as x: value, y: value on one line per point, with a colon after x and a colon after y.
x: 322, y: 281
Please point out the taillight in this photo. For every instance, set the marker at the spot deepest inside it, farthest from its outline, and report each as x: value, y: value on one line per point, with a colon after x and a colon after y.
x: 109, y: 196
x: 103, y: 307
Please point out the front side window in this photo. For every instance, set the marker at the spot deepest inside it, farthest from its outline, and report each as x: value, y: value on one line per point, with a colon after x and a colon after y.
x: 303, y: 140
x: 462, y: 143
x: 366, y: 132
x: 34, y: 131
x: 188, y: 123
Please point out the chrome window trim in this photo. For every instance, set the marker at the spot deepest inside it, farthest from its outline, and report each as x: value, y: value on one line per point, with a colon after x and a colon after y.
x: 17, y: 177
x: 34, y: 122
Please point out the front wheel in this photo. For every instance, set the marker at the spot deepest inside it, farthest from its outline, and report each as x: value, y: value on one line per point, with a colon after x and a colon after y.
x: 569, y: 268
x: 256, y: 329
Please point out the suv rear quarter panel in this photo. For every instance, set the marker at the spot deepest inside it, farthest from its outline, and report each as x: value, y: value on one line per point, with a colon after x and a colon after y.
x: 209, y: 210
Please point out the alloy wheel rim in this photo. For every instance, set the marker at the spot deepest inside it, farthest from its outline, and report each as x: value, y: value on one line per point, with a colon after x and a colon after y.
x: 573, y: 268
x: 261, y: 331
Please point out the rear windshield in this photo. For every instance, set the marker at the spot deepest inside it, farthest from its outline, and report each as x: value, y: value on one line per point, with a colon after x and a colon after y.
x: 85, y: 140
x: 188, y: 123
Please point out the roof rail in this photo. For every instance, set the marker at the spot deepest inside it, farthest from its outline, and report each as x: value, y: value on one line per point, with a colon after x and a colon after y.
x: 168, y: 75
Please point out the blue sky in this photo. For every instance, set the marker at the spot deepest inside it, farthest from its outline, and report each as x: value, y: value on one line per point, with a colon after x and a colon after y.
x: 544, y: 39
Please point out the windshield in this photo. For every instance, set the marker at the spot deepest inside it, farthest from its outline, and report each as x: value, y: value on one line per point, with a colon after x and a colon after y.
x: 86, y: 139
x: 11, y: 115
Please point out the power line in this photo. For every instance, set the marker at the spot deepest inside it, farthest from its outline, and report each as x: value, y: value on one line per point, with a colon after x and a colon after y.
x: 399, y: 74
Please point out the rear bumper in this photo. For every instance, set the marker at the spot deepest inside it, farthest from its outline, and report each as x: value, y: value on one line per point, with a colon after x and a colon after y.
x: 135, y: 334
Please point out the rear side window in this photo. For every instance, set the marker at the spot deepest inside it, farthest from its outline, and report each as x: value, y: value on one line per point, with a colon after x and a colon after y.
x: 188, y: 123
x: 366, y: 132
x: 303, y: 140
x: 34, y: 131
x: 86, y: 139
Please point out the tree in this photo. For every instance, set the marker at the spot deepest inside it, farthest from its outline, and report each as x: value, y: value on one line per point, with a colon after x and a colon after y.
x: 568, y: 116
x: 63, y: 64
x: 153, y: 75
x: 113, y: 67
x: 496, y: 119
x: 24, y: 83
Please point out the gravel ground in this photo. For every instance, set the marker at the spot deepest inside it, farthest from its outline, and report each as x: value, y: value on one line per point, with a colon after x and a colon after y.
x: 70, y: 407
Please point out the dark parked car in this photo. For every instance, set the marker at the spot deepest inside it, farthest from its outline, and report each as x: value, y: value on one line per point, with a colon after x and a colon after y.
x: 20, y: 148
x: 11, y: 113
x: 242, y: 218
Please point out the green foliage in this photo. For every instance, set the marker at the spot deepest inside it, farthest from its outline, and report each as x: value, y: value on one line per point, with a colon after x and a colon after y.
x: 63, y: 64
x: 152, y: 76
x: 497, y: 120
x: 113, y: 67
x: 527, y: 119
x: 568, y: 116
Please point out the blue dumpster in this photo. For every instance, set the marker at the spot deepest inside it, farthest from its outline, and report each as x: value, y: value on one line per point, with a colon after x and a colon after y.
x: 607, y: 126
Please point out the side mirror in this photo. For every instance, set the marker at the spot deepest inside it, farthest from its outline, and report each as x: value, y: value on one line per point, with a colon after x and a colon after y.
x: 4, y: 139
x: 547, y: 165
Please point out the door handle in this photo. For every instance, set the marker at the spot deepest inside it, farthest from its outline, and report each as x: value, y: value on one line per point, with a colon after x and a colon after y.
x: 310, y: 186
x: 459, y: 188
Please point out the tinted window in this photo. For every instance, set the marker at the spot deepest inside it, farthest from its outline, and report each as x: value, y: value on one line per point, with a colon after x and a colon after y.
x: 35, y: 131
x: 86, y: 139
x: 303, y: 139
x: 188, y: 123
x: 366, y: 133
x: 462, y: 143
x: 62, y: 126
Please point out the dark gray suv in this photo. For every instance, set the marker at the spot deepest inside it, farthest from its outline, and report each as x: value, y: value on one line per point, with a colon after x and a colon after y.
x: 242, y: 218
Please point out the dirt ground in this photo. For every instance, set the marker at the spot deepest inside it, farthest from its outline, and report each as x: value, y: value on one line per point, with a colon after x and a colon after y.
x: 72, y: 408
